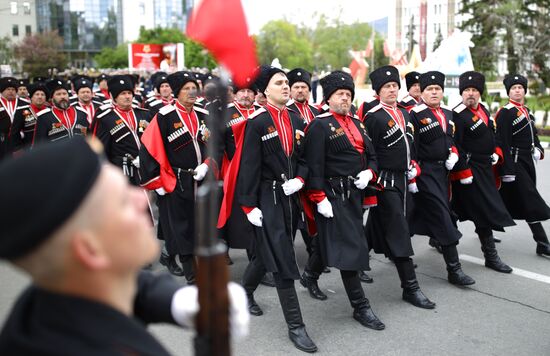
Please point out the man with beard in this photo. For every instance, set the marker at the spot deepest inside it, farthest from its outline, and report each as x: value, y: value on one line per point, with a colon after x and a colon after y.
x: 436, y: 154
x: 61, y: 121
x: 173, y: 162
x: 521, y: 149
x: 120, y: 127
x: 84, y: 97
x: 164, y: 97
x: 271, y: 170
x: 24, y: 120
x: 413, y: 89
x: 387, y: 227
x: 474, y: 193
x: 341, y: 162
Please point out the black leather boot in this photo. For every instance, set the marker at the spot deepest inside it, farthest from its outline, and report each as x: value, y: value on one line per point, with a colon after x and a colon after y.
x: 409, y: 283
x: 251, y: 279
x: 362, y: 312
x: 253, y: 307
x: 293, y: 317
x: 435, y: 244
x: 170, y: 262
x: 310, y: 282
x: 364, y: 277
x: 539, y: 235
x: 492, y: 260
x: 188, y: 268
x: 455, y: 274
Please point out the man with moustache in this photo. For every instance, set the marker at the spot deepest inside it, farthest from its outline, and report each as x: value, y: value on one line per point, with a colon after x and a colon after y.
x: 120, y: 127
x: 22, y: 89
x: 24, y: 120
x: 392, y: 136
x: 271, y: 170
x: 61, y: 121
x: 521, y: 149
x: 173, y: 162
x: 341, y: 163
x: 164, y: 97
x: 437, y: 155
x: 414, y: 93
x: 474, y: 193
x: 84, y: 97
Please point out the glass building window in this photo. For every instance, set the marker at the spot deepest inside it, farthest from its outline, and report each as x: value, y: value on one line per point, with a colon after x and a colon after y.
x: 15, y: 30
x: 13, y: 7
x: 26, y: 8
x: 28, y: 30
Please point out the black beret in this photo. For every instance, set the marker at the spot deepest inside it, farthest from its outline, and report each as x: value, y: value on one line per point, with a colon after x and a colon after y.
x: 73, y: 168
x: 431, y: 78
x: 55, y: 84
x: 8, y: 82
x: 103, y: 76
x: 23, y: 82
x: 299, y: 75
x: 337, y: 80
x: 264, y: 76
x: 119, y: 83
x: 511, y: 79
x: 39, y: 79
x: 38, y: 86
x: 159, y: 80
x: 471, y: 79
x: 383, y: 75
x: 411, y: 79
x: 178, y: 79
x: 82, y: 82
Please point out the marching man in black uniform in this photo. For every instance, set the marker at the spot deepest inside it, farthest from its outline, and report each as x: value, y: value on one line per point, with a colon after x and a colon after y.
x: 102, y: 94
x: 414, y: 93
x: 84, y: 97
x: 164, y: 97
x: 8, y: 106
x: 120, y: 127
x: 392, y: 136
x: 474, y: 192
x: 61, y: 121
x: 341, y: 162
x: 271, y: 171
x: 172, y: 162
x: 521, y: 149
x: 436, y: 154
x: 24, y: 120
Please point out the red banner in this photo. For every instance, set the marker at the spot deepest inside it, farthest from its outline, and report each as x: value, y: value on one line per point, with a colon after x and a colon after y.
x: 167, y: 57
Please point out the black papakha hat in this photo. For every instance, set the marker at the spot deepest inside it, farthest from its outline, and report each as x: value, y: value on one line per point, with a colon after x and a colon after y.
x: 471, y: 79
x: 55, y: 84
x: 299, y: 75
x: 511, y: 79
x: 178, y: 79
x: 119, y: 83
x: 73, y: 168
x: 264, y: 76
x: 8, y: 82
x: 383, y: 75
x: 337, y: 80
x: 411, y: 79
x: 431, y: 78
x: 38, y: 86
x: 82, y: 82
x: 159, y: 80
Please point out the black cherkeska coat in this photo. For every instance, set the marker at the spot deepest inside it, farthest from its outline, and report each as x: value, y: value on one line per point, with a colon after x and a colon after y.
x: 262, y: 164
x: 478, y: 202
x: 333, y: 163
x: 432, y: 209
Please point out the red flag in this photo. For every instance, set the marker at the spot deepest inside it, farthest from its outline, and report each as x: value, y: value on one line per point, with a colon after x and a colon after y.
x: 221, y: 27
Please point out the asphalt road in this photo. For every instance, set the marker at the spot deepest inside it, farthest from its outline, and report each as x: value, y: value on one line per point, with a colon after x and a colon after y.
x: 499, y: 315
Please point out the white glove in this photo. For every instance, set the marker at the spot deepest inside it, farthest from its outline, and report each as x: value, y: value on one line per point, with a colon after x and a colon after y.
x: 494, y: 159
x: 451, y: 161
x: 160, y: 191
x: 324, y: 207
x: 411, y: 173
x: 468, y: 180
x: 536, y: 154
x: 413, y: 188
x: 508, y: 179
x: 200, y: 171
x: 292, y: 186
x: 135, y: 162
x: 185, y: 306
x: 363, y: 179
x: 255, y: 217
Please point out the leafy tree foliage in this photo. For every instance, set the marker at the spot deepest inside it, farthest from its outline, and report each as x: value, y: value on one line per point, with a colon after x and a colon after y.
x: 40, y: 52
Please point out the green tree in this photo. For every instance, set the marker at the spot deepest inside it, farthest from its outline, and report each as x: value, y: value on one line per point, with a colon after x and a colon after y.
x: 40, y: 52
x: 437, y: 41
x: 195, y: 54
x: 6, y: 51
x: 112, y: 57
x: 106, y: 36
x: 285, y: 41
x: 536, y: 38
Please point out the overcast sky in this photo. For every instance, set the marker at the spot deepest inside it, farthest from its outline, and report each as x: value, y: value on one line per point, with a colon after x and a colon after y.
x: 259, y: 12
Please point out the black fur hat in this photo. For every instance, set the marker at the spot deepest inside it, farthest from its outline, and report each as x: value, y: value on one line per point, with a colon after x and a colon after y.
x: 471, y: 79
x: 511, y: 79
x: 383, y: 75
x: 411, y: 79
x: 431, y: 78
x: 299, y: 75
x: 337, y: 80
